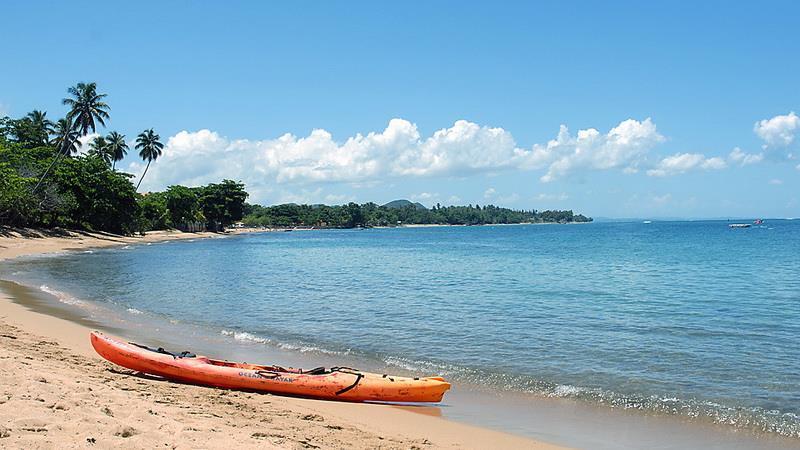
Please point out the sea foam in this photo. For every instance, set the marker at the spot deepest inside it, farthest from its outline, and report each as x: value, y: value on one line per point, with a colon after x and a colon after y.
x: 245, y: 337
x: 62, y: 297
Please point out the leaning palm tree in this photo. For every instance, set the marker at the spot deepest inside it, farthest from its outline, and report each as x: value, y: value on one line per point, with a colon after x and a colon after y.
x: 66, y: 143
x: 99, y: 148
x: 42, y: 126
x: 65, y: 138
x: 117, y: 147
x: 86, y: 107
x: 149, y: 148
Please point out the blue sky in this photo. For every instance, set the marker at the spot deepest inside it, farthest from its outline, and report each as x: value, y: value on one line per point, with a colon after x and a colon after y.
x: 479, y: 92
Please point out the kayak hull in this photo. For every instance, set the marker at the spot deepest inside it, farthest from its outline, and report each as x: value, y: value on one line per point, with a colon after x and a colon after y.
x: 337, y: 384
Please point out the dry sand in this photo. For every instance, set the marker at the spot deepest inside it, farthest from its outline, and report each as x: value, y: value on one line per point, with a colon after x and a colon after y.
x: 55, y: 392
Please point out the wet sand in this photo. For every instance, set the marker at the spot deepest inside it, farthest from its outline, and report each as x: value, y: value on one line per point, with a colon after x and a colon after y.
x: 57, y: 393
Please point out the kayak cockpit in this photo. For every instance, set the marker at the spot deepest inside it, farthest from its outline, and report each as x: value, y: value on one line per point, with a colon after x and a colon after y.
x: 279, y: 369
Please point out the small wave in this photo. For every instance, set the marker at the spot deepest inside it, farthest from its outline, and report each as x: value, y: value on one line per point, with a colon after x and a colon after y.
x: 88, y: 251
x: 245, y: 337
x: 149, y: 243
x: 310, y: 349
x: 401, y: 363
x: 422, y: 366
x: 127, y: 247
x: 61, y: 296
x: 134, y: 311
x: 566, y: 390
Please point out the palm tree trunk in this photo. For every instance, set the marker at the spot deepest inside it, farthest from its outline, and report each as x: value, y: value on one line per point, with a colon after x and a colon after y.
x: 55, y: 160
x: 145, y: 173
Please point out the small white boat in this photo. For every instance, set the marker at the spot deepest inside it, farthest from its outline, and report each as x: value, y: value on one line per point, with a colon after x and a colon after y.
x: 648, y: 221
x: 739, y: 225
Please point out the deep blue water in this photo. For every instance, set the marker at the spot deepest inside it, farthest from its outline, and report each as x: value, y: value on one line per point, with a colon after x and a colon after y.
x: 688, y: 318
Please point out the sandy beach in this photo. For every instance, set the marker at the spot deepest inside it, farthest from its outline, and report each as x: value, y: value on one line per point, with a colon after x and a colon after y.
x: 57, y: 393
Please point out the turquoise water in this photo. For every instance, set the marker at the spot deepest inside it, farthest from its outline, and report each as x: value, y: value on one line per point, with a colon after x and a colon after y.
x: 685, y: 318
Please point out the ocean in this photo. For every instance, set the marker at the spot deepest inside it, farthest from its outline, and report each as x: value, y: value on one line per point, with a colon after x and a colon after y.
x: 689, y: 320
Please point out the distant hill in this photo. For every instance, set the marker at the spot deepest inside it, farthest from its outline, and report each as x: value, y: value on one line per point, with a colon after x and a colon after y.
x: 399, y: 204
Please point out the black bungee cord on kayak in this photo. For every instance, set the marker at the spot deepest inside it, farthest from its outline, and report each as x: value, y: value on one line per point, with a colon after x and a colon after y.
x: 165, y: 352
x: 350, y: 371
x: 271, y: 375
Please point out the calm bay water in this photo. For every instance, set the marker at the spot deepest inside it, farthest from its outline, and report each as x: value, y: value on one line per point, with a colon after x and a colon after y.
x: 686, y: 318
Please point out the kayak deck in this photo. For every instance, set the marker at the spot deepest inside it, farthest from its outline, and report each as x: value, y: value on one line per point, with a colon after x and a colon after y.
x: 336, y: 383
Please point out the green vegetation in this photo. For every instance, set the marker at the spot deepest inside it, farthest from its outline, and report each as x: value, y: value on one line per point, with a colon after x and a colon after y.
x: 44, y: 183
x: 397, y: 212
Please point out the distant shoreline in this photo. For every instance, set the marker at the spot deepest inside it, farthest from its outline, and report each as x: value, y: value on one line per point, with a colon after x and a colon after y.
x: 28, y: 241
x: 410, y: 225
x: 434, y: 225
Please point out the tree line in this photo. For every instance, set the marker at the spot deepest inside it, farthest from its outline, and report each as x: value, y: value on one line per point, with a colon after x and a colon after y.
x: 353, y: 215
x: 46, y: 182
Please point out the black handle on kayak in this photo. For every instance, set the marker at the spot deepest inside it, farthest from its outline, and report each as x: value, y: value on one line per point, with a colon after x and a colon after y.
x: 358, y: 375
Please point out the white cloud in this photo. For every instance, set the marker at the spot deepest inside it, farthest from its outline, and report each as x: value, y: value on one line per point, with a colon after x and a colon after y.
x: 684, y: 162
x: 623, y: 147
x: 776, y: 182
x: 778, y: 131
x: 489, y: 193
x: 714, y: 163
x: 85, y: 141
x: 737, y: 156
x: 200, y: 157
x: 203, y: 156
x: 464, y: 147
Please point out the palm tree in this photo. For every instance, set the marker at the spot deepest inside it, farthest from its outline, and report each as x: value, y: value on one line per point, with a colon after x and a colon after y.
x: 65, y: 138
x: 149, y: 148
x: 65, y: 141
x: 86, y: 107
x: 42, y: 127
x: 99, y: 148
x: 117, y: 147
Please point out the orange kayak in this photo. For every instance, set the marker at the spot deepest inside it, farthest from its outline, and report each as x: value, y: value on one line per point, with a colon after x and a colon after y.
x: 337, y: 383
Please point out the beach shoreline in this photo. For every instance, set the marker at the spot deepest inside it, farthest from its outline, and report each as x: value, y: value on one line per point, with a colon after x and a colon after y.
x: 49, y: 359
